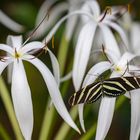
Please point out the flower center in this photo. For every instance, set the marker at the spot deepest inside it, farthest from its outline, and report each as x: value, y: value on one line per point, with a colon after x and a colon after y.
x: 17, y: 54
x: 118, y: 69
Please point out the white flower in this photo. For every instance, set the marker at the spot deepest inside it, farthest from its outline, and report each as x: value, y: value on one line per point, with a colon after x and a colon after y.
x: 96, y: 27
x: 21, y: 94
x: 107, y: 104
x: 9, y: 23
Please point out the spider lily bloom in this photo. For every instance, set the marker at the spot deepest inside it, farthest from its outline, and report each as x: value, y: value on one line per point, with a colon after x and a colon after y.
x: 21, y: 94
x: 107, y: 104
x: 133, y: 37
x: 55, y: 11
x: 9, y: 23
x: 98, y: 27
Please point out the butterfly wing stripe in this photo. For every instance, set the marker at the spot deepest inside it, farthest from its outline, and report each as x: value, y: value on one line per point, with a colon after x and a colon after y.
x: 111, y: 88
x: 81, y: 95
x: 137, y: 81
x: 90, y: 90
x: 95, y: 93
x: 128, y: 82
x: 95, y: 98
x: 116, y: 83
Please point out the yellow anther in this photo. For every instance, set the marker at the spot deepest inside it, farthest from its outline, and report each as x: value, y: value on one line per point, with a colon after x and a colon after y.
x: 109, y: 9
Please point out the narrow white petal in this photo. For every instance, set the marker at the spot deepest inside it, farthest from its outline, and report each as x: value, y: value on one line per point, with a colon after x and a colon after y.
x: 81, y: 119
x: 70, y: 25
x: 6, y: 48
x: 14, y: 41
x: 22, y: 101
x: 54, y: 92
x: 46, y: 5
x: 134, y: 36
x: 55, y: 13
x: 105, y: 117
x: 3, y: 66
x: 55, y: 66
x: 82, y: 53
x: 95, y: 71
x: 9, y: 23
x: 119, y: 30
x: 66, y: 77
x: 135, y: 114
x: 91, y: 7
x: 126, y: 58
x: 109, y: 40
x: 112, y: 56
x: 52, y: 32
x: 32, y: 46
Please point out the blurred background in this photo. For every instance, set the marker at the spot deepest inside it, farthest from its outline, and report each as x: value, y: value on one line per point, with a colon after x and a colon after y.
x: 25, y: 12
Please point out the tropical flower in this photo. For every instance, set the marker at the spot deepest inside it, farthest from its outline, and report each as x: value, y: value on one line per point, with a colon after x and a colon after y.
x: 9, y: 23
x: 96, y: 29
x: 21, y: 94
x: 118, y: 67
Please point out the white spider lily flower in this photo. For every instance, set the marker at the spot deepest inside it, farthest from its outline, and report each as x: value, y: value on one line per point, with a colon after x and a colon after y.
x: 9, y: 23
x: 107, y: 104
x: 87, y: 36
x: 21, y: 94
x: 55, y: 10
x: 133, y: 37
x: 106, y: 115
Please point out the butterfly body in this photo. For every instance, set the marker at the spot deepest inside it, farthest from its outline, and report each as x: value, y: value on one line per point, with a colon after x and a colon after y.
x: 111, y: 87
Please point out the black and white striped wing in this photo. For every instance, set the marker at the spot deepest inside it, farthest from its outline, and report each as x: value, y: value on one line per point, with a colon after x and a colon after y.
x: 120, y: 85
x: 88, y: 94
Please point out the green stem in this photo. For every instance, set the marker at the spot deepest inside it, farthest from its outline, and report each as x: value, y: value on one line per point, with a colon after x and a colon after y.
x: 9, y: 108
x: 88, y: 135
x: 62, y: 54
x: 4, y: 134
x: 63, y: 131
x: 48, y: 122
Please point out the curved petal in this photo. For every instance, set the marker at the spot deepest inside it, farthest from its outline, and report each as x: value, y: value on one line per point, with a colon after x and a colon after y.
x: 47, y: 4
x: 91, y: 76
x: 134, y: 36
x: 9, y: 23
x: 55, y: 66
x: 135, y: 115
x: 55, y: 14
x: 82, y: 53
x: 105, y: 117
x: 91, y: 7
x: 22, y: 101
x: 66, y: 77
x: 71, y: 23
x: 119, y: 31
x: 95, y: 71
x: 127, y: 57
x: 3, y: 66
x: 57, y: 25
x: 31, y: 46
x: 110, y: 44
x: 6, y: 48
x: 54, y: 92
x: 112, y: 56
x: 14, y: 41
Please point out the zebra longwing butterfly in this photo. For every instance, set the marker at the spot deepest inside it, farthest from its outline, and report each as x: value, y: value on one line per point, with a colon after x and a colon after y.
x: 112, y: 87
